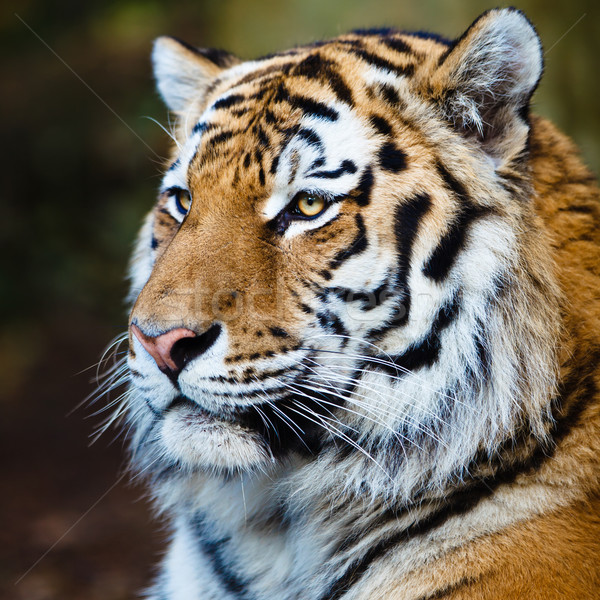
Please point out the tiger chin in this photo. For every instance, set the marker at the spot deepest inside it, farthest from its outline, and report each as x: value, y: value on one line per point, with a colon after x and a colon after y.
x: 364, y: 336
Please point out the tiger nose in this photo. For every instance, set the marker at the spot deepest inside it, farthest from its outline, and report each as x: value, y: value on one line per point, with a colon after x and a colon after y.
x: 172, y: 350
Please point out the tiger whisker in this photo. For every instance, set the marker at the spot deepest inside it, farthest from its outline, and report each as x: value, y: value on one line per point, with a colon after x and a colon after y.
x: 369, y: 407
x: 384, y: 363
x: 353, y: 380
x: 113, y: 418
x: 393, y: 377
x: 293, y: 426
x: 321, y: 401
x: 395, y: 433
x: 404, y: 415
x: 337, y: 433
x: 169, y: 133
x: 377, y: 419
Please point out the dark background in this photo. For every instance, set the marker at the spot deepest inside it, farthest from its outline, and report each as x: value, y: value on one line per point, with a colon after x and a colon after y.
x: 81, y: 160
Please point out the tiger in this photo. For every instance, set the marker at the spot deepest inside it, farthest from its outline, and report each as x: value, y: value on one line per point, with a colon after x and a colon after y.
x: 364, y: 332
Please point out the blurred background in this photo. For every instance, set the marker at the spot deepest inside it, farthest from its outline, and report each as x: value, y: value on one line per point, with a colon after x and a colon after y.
x: 80, y: 165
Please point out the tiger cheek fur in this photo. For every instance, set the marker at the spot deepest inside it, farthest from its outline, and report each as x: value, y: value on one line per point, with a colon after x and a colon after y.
x: 357, y: 352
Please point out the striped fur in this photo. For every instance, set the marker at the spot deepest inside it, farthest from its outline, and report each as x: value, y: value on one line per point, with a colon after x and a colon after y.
x: 396, y: 398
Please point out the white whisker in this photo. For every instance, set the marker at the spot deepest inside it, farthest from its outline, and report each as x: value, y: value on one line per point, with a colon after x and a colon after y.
x: 395, y: 433
x: 369, y: 407
x: 169, y: 133
x: 337, y: 433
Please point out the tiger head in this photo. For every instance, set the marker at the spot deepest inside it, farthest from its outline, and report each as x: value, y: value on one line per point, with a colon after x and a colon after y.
x: 344, y: 263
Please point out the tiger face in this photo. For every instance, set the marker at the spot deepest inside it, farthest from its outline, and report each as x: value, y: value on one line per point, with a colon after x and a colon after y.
x: 340, y: 260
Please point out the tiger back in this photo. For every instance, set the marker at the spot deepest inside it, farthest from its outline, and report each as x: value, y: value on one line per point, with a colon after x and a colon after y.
x: 364, y: 335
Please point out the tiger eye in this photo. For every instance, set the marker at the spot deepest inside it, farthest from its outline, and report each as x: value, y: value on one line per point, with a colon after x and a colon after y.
x: 183, y: 201
x: 310, y: 205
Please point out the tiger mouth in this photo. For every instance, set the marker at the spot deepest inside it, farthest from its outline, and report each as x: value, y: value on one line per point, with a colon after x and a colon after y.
x: 283, y: 424
x: 198, y: 415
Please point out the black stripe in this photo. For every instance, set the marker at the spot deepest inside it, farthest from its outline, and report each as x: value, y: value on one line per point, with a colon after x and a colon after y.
x: 389, y: 94
x: 426, y: 352
x: 229, y: 101
x: 581, y: 389
x: 580, y: 208
x: 163, y: 211
x: 397, y: 44
x: 279, y: 332
x: 259, y: 94
x: 331, y: 322
x: 407, y: 218
x: 452, y: 183
x: 202, y: 127
x: 339, y: 87
x: 310, y: 136
x: 391, y: 158
x: 369, y: 299
x: 274, y: 164
x: 270, y: 117
x: 381, y: 125
x: 358, y: 245
x: 306, y: 308
x: 450, y: 589
x: 362, y: 194
x: 317, y: 67
x: 382, y: 63
x: 313, y: 107
x: 263, y: 138
x: 484, y: 357
x: 219, y: 138
x: 215, y: 551
x: 346, y: 167
x: 443, y: 257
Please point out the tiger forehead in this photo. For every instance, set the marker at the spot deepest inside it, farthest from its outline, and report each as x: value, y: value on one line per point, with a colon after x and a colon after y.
x: 338, y: 66
x: 327, y: 71
x: 396, y: 52
x: 253, y: 109
x: 246, y: 126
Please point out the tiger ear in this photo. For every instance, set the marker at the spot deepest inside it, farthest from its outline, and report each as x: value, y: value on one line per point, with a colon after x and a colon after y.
x: 485, y: 81
x: 183, y: 73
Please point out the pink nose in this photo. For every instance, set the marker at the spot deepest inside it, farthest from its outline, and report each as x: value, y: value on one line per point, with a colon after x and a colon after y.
x: 160, y: 348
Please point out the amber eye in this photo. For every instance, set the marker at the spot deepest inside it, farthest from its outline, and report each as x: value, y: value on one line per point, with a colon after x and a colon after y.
x: 310, y: 205
x: 183, y: 200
